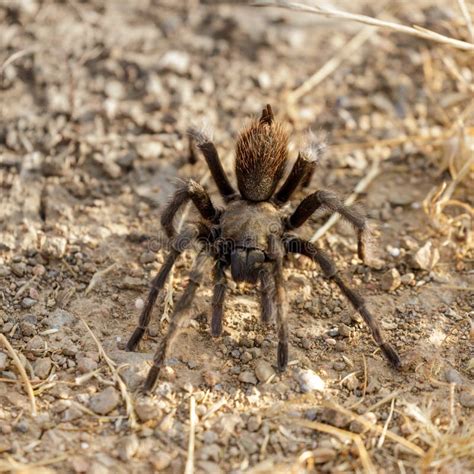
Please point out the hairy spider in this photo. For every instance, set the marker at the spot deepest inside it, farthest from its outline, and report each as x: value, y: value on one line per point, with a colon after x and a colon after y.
x: 251, y: 235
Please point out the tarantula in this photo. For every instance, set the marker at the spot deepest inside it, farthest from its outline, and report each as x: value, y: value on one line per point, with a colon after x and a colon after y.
x: 252, y: 234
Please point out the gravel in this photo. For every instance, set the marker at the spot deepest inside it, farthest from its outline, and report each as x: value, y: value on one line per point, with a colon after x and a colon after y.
x: 104, y: 402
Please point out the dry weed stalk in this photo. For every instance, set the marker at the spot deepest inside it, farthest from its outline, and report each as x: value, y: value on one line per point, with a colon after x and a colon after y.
x: 121, y: 384
x: 26, y: 382
x: 367, y: 20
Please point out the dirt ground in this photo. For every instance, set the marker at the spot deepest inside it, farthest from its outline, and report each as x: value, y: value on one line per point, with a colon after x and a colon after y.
x: 95, y: 101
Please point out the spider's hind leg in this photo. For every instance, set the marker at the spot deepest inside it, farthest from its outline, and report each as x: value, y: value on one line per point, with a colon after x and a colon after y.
x: 297, y: 245
x: 181, y: 314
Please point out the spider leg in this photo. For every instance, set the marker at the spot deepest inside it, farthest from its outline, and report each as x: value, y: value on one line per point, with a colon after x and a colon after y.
x: 181, y: 315
x: 267, y: 296
x: 276, y: 253
x: 302, y: 170
x: 220, y: 288
x: 188, y: 191
x: 208, y: 149
x: 297, y: 245
x: 281, y: 316
x: 330, y: 201
x: 181, y: 242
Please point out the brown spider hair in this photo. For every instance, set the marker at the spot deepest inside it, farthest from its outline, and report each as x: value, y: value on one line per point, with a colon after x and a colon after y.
x: 261, y: 156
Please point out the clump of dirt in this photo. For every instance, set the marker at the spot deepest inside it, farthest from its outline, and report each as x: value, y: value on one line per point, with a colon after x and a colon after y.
x: 96, y: 99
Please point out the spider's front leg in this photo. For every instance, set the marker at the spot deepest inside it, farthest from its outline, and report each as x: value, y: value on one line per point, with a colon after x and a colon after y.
x: 218, y: 296
x: 208, y: 149
x: 329, y: 200
x: 276, y: 252
x: 302, y: 171
x: 180, y: 316
x: 297, y: 245
x: 179, y: 244
x: 189, y: 191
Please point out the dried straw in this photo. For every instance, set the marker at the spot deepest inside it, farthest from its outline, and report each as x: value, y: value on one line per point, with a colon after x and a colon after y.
x: 21, y: 370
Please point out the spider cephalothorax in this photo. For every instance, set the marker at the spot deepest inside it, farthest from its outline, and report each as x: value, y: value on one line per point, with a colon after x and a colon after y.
x: 251, y: 235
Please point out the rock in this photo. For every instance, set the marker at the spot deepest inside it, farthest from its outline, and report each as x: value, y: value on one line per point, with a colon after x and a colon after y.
x: 453, y: 376
x: 323, y: 455
x: 391, y: 280
x: 263, y: 370
x: 147, y: 409
x: 358, y: 427
x: 333, y: 332
x: 72, y: 413
x: 407, y: 279
x: 175, y: 61
x: 334, y: 418
x: 160, y: 461
x: 351, y: 382
x: 54, y: 247
x: 248, y: 377
x: 426, y: 257
x: 147, y: 257
x: 310, y: 381
x: 149, y: 150
x: 28, y: 325
x: 42, y: 367
x: 209, y: 467
x: 104, y: 402
x: 253, y: 423
x: 339, y: 366
x: 18, y: 269
x: 466, y: 398
x: 3, y: 361
x: 60, y: 318
x: 86, y: 365
x: 128, y: 447
x: 28, y: 302
x: 35, y: 344
x: 211, y: 378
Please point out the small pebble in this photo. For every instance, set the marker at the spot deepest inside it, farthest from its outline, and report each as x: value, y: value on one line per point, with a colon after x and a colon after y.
x: 453, y: 376
x: 426, y: 257
x: 263, y: 370
x: 323, y: 455
x: 128, y: 447
x: 466, y: 398
x: 147, y: 409
x: 248, y: 377
x: 42, y: 367
x: 86, y: 365
x: 310, y: 381
x: 391, y: 280
x: 160, y: 460
x: 3, y: 361
x: 211, y: 378
x: 104, y: 402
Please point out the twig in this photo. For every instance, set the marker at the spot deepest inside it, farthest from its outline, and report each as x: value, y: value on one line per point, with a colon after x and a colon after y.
x: 189, y: 469
x: 21, y: 370
x: 372, y: 426
x: 362, y: 185
x: 98, y: 276
x: 467, y: 18
x: 330, y: 66
x: 325, y: 428
x: 15, y: 56
x: 367, y: 20
x: 123, y: 388
x: 385, y: 426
